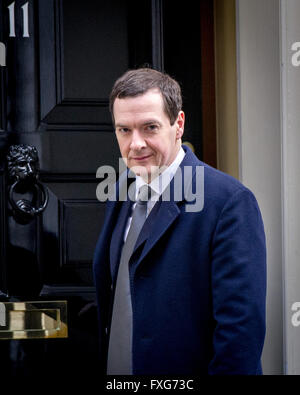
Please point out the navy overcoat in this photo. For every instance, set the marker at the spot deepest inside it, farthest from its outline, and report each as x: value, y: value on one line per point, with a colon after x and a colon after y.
x: 198, y: 279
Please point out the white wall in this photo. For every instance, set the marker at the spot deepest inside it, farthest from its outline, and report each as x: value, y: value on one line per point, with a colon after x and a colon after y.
x: 269, y: 137
x: 259, y: 106
x: 290, y: 31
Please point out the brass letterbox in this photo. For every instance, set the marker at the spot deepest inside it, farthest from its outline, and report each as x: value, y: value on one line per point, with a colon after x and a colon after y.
x: 33, y: 320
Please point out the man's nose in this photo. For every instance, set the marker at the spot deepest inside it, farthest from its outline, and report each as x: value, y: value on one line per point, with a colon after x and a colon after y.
x: 137, y: 141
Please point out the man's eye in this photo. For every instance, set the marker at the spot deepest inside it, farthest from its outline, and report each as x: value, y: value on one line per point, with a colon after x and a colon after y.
x: 123, y: 130
x: 151, y: 128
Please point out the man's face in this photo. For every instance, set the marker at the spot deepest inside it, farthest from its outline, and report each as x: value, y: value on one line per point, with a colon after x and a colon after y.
x: 145, y: 135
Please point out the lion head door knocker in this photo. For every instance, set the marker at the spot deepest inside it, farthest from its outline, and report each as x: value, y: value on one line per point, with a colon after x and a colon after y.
x: 23, y: 171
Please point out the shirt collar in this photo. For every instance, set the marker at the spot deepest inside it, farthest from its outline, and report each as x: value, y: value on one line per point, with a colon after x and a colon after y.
x: 159, y: 184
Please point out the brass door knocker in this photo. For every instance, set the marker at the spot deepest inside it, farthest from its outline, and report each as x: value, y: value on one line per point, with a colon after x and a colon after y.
x: 23, y: 170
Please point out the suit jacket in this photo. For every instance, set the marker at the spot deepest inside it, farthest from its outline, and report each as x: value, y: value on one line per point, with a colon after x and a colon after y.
x: 198, y: 280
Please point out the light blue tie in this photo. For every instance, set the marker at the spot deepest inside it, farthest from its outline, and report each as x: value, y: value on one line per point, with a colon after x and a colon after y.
x: 119, y: 360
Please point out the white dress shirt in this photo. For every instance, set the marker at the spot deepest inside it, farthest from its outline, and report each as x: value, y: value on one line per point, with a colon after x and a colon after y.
x: 158, y: 185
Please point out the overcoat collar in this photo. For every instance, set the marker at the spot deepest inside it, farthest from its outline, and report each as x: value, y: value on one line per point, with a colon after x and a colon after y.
x: 161, y: 217
x: 165, y: 212
x: 116, y: 241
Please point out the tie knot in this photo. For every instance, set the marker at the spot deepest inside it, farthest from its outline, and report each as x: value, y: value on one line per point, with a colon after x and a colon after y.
x: 144, y: 194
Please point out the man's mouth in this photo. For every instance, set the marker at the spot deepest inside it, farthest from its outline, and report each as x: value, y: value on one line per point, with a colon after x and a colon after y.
x: 141, y: 158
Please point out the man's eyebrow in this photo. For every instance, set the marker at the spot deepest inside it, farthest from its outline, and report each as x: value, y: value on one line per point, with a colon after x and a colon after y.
x: 145, y: 123
x: 151, y: 122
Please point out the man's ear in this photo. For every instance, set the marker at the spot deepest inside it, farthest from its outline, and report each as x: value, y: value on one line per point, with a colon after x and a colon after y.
x: 180, y: 125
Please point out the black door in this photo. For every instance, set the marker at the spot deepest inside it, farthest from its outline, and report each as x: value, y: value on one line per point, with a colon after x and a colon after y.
x: 62, y: 57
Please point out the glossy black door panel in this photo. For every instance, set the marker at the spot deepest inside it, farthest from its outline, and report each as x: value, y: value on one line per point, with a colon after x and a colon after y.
x: 54, y: 95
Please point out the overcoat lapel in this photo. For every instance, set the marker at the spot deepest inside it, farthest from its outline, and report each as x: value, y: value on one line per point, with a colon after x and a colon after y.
x: 162, y: 216
x: 116, y: 242
x: 160, y: 219
x: 165, y: 212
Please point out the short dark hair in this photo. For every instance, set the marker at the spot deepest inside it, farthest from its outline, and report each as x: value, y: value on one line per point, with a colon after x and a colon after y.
x: 137, y: 82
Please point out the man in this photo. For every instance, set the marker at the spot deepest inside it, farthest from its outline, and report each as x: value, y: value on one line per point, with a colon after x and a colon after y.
x: 188, y: 297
